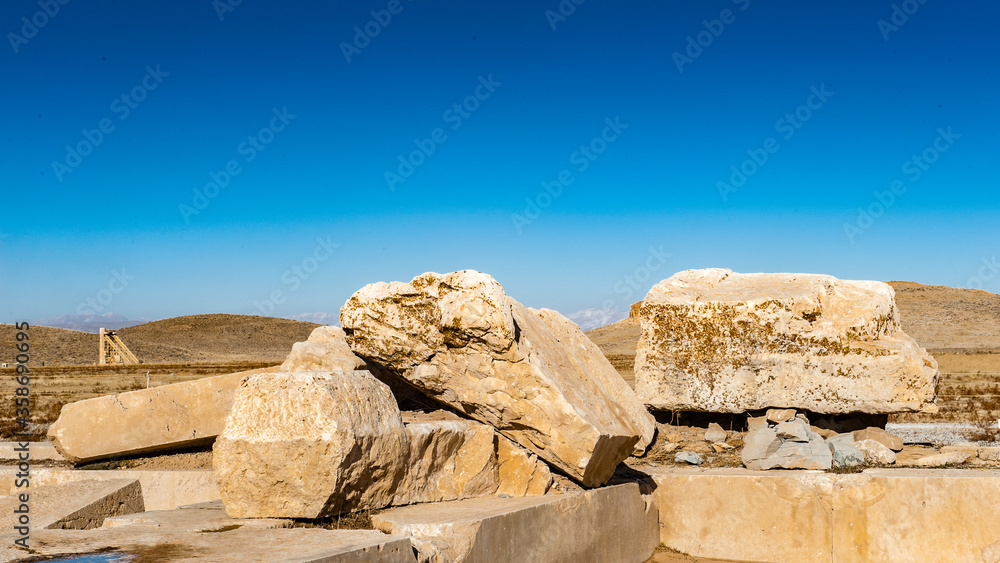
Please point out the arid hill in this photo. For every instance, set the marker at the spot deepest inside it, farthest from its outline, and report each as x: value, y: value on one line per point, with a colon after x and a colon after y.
x: 217, y: 338
x: 618, y: 341
x: 51, y: 346
x: 947, y: 319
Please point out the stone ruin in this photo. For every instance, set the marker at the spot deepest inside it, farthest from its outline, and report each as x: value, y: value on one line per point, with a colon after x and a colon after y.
x: 523, y: 395
x: 717, y: 341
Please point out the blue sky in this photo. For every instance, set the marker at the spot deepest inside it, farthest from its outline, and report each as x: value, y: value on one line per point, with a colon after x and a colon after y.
x: 196, y: 157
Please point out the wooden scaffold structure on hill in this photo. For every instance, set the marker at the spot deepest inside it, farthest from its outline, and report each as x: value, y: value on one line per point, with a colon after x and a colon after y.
x: 113, y: 350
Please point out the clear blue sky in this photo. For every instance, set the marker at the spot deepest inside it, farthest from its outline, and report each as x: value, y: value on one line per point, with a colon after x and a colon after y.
x: 644, y: 125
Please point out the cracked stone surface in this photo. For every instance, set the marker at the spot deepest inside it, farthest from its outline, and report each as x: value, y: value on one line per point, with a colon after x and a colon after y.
x: 315, y: 444
x: 326, y: 349
x: 718, y: 341
x: 531, y: 374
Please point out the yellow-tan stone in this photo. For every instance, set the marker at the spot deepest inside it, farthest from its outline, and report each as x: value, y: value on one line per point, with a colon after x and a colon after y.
x: 718, y: 341
x: 532, y: 375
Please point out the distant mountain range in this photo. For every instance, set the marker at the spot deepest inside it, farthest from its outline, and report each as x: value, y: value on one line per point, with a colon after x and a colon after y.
x: 329, y: 319
x: 589, y: 319
x: 89, y: 323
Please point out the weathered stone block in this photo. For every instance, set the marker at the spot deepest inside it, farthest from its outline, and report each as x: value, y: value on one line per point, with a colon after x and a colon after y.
x: 314, y: 444
x: 325, y: 350
x: 713, y: 340
x: 161, y: 418
x: 602, y: 525
x: 309, y: 445
x: 532, y: 375
x: 879, y: 516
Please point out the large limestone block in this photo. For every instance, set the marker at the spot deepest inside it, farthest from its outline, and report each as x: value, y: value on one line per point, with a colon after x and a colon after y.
x: 913, y: 516
x: 519, y: 471
x: 315, y: 444
x: 310, y: 445
x: 326, y: 349
x: 532, y: 375
x: 161, y: 418
x: 717, y: 341
x: 448, y: 460
x: 744, y: 515
x: 879, y: 516
x: 602, y: 525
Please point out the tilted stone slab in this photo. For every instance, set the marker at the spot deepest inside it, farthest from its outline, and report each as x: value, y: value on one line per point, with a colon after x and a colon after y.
x: 326, y: 349
x: 717, y: 341
x: 601, y: 525
x: 532, y: 375
x: 316, y: 444
x: 75, y: 505
x: 149, y: 420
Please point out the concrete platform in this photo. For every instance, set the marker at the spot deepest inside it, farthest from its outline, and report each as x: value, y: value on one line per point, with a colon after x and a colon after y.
x: 78, y: 505
x: 206, y: 534
x: 161, y: 490
x: 611, y: 524
x: 890, y: 515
